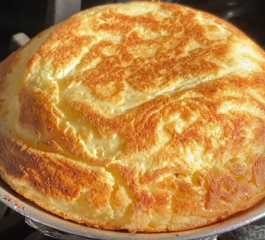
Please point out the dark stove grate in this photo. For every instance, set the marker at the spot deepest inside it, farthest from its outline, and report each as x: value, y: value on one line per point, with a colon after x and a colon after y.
x: 13, y: 226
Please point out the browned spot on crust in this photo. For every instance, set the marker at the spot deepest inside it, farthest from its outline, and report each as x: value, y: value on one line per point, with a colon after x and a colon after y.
x: 18, y: 205
x: 8, y: 198
x: 31, y: 108
x: 61, y: 55
x: 52, y: 176
x: 224, y: 188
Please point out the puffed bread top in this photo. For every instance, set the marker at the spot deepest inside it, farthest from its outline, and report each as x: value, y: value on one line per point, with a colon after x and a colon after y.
x: 145, y: 116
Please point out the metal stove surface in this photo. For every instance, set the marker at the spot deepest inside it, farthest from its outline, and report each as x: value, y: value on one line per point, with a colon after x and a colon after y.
x: 31, y: 17
x: 13, y: 226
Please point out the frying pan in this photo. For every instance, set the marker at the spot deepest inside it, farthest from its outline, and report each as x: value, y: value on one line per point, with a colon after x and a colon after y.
x: 38, y: 215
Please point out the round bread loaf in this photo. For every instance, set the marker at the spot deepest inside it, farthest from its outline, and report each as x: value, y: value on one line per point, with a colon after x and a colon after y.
x: 145, y: 116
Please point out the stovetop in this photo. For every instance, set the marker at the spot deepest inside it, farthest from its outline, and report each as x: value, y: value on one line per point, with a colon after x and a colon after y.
x: 14, y: 227
x: 31, y: 17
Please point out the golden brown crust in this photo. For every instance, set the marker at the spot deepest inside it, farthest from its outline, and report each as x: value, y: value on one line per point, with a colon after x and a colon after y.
x: 144, y: 116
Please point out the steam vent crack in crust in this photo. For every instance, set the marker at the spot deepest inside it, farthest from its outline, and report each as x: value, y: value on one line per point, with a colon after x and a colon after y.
x: 144, y: 116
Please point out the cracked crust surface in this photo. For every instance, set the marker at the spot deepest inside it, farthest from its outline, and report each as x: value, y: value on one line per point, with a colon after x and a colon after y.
x: 144, y: 116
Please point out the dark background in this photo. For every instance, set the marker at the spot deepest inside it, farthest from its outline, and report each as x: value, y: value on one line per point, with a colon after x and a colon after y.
x: 26, y: 16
